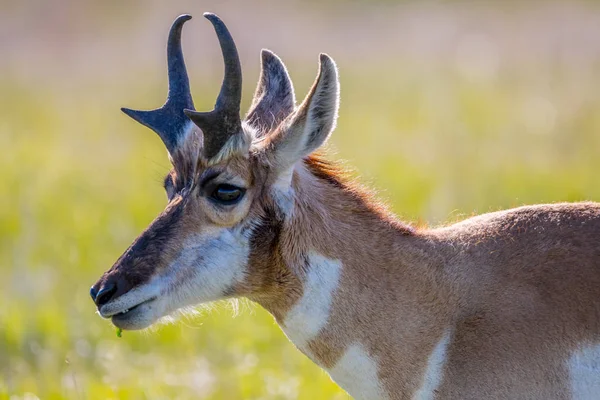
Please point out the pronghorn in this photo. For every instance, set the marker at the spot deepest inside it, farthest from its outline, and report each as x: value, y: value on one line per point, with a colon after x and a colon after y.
x: 504, y: 305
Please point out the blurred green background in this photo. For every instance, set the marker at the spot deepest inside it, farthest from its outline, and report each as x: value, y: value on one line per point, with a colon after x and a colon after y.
x: 448, y: 109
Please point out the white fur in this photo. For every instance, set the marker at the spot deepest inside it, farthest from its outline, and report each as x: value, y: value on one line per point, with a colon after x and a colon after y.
x: 283, y: 192
x: 434, y: 373
x: 304, y: 321
x: 584, y: 371
x: 356, y: 373
x: 209, y: 264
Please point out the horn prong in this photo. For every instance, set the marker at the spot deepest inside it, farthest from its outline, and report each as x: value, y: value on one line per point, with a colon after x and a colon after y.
x: 168, y: 121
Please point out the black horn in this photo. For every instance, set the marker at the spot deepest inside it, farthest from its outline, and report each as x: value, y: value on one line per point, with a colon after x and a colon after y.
x: 169, y: 121
x: 224, y: 121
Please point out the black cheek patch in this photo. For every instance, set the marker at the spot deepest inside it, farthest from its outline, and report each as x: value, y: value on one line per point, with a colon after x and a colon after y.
x: 265, y: 236
x: 265, y: 257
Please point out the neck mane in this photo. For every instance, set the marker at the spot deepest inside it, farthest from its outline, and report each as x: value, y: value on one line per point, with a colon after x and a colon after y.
x: 355, y: 267
x: 336, y: 217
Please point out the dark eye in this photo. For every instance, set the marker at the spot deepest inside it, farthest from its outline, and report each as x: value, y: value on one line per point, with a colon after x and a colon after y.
x: 227, y: 194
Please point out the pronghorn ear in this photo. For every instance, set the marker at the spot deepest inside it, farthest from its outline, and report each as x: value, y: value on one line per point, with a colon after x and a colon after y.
x: 310, y: 125
x: 274, y: 96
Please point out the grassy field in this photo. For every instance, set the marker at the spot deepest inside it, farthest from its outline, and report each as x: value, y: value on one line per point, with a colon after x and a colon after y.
x: 440, y: 138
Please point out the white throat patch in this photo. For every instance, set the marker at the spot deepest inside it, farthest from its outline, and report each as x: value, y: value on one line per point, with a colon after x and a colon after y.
x: 435, y: 370
x: 311, y: 313
x: 584, y: 371
x: 356, y: 372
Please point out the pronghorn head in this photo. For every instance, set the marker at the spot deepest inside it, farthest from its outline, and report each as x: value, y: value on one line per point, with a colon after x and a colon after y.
x: 231, y: 178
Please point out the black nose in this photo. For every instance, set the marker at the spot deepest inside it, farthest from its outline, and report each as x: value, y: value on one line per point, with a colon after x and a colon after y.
x: 105, y: 294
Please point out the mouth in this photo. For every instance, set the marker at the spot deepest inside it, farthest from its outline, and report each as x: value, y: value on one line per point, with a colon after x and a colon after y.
x: 129, y: 310
x: 138, y: 316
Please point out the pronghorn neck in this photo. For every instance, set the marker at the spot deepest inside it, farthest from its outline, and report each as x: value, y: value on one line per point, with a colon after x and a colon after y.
x: 351, y: 260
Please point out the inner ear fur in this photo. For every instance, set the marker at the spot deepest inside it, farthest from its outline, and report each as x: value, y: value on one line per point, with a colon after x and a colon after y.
x: 274, y: 97
x: 305, y: 130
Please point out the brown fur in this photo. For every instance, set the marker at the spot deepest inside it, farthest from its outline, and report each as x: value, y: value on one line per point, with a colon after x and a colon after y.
x: 518, y: 291
x: 521, y: 288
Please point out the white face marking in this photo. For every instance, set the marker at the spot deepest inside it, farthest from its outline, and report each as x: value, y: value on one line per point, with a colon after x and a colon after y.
x: 356, y: 373
x: 208, y: 265
x: 584, y: 372
x: 435, y: 370
x: 282, y: 191
x: 304, y: 321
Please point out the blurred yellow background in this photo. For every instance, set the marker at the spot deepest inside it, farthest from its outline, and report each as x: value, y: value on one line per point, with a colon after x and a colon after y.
x: 448, y: 109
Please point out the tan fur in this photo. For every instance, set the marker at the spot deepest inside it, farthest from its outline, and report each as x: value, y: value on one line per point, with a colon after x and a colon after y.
x: 516, y: 292
x: 519, y: 289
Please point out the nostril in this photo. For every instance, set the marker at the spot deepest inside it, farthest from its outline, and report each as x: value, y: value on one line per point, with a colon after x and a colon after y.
x: 105, y: 294
x: 93, y: 293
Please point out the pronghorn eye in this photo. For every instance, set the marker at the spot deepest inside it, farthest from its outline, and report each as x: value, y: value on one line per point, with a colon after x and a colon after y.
x: 227, y: 194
